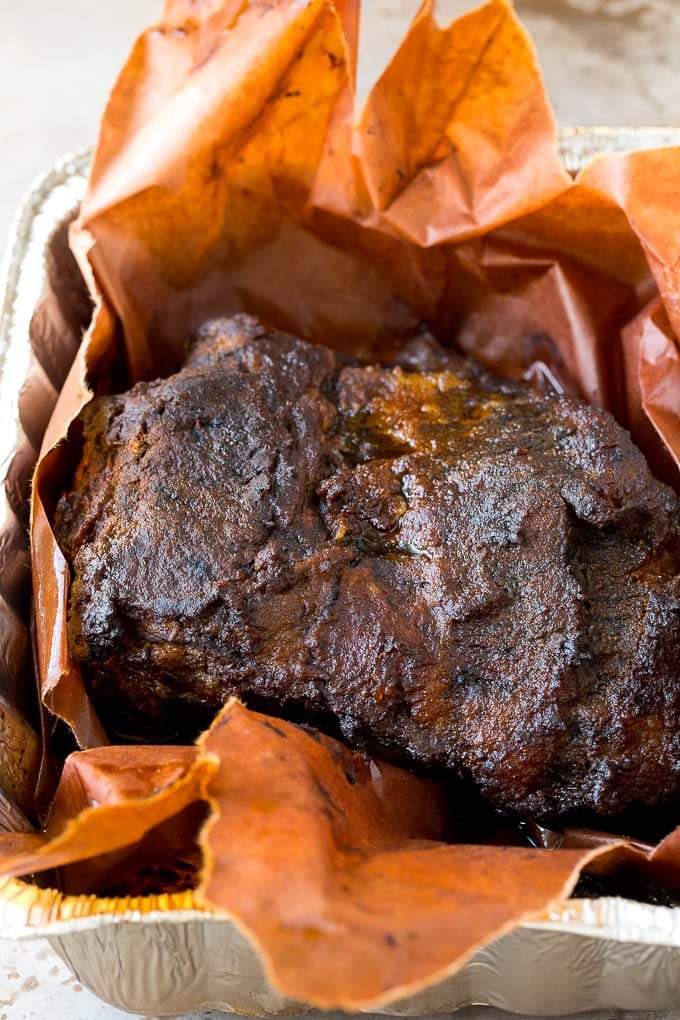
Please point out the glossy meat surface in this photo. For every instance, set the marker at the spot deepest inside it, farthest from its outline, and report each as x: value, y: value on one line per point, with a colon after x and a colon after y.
x: 448, y: 569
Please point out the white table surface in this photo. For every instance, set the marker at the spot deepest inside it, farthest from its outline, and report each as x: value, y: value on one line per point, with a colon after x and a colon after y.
x: 606, y: 62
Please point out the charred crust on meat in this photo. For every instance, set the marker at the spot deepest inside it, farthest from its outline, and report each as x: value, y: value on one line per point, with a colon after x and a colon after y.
x: 455, y: 571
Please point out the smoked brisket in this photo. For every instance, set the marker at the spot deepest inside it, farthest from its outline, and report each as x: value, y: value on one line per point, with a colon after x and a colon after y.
x: 453, y: 571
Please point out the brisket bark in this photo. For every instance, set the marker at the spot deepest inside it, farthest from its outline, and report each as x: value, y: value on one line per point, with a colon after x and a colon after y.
x: 450, y: 570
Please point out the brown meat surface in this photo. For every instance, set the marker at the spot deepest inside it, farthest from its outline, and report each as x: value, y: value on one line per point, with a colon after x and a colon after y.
x: 448, y: 569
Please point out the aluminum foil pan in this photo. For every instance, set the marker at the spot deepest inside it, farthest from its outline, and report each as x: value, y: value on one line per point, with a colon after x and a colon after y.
x: 162, y: 954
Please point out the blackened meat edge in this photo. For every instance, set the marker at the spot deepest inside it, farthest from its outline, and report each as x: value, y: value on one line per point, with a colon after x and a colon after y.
x: 450, y: 570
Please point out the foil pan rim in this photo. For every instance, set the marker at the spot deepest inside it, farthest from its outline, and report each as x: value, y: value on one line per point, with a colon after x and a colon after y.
x: 22, y: 268
x: 606, y: 918
x: 610, y: 919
